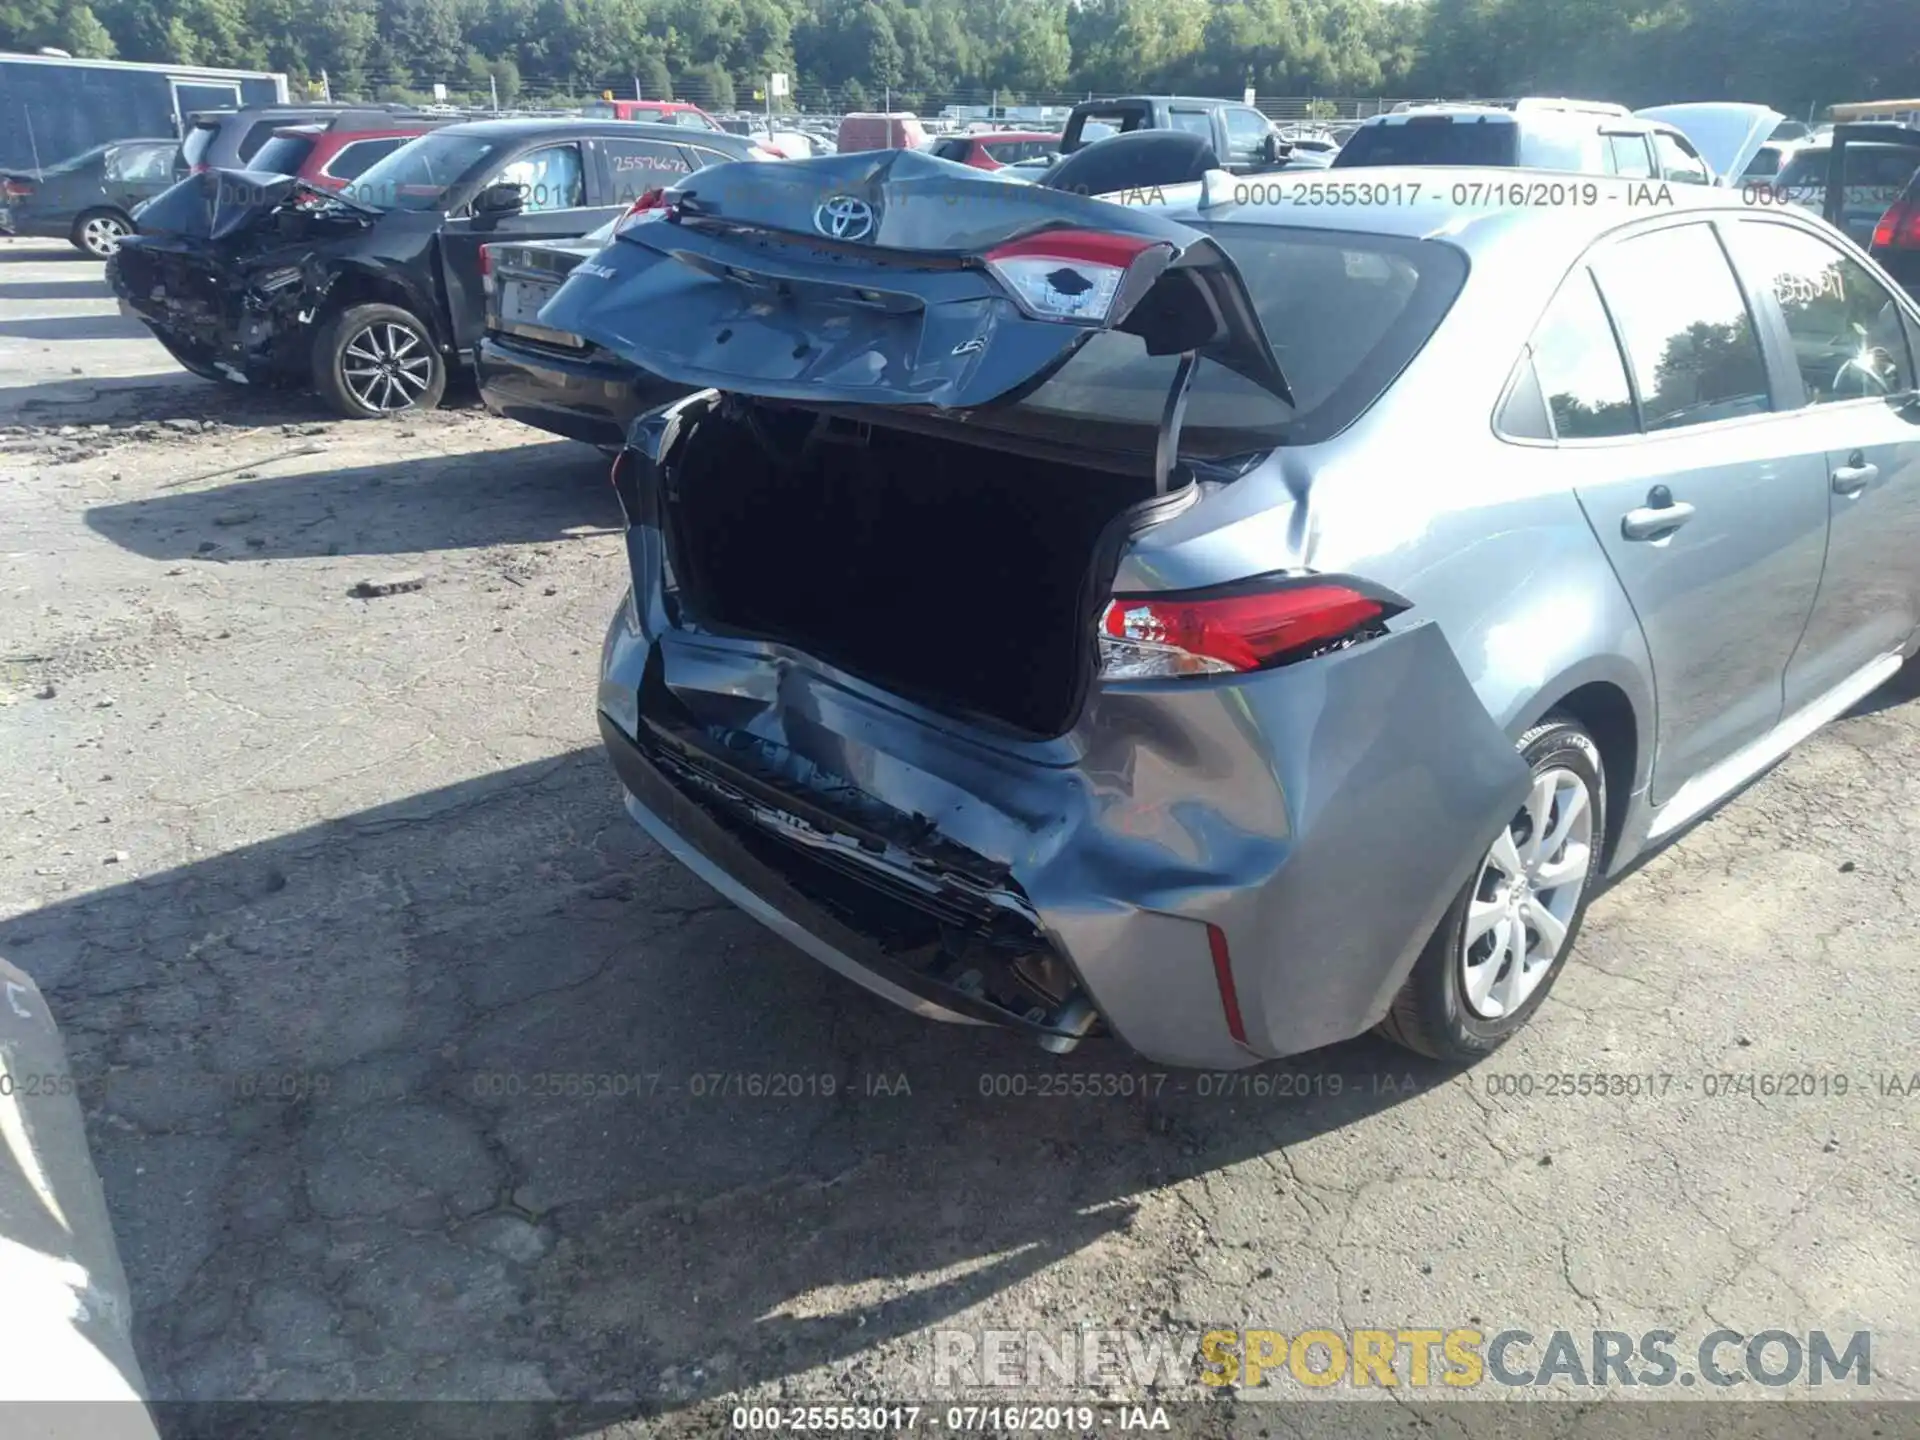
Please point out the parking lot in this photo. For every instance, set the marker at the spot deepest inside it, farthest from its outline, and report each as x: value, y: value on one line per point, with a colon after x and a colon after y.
x: 413, y: 1070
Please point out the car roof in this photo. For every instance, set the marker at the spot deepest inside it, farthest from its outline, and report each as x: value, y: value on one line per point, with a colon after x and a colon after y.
x: 1201, y: 100
x: 525, y: 127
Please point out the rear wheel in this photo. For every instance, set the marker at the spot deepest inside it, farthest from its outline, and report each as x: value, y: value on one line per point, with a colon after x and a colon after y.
x: 1506, y: 937
x: 375, y: 360
x: 99, y: 232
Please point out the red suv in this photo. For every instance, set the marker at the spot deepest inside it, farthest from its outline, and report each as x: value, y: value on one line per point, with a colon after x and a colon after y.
x: 654, y: 112
x: 992, y: 149
x: 332, y: 153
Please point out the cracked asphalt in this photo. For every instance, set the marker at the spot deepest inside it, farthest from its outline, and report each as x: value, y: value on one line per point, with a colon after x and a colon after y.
x: 413, y: 1070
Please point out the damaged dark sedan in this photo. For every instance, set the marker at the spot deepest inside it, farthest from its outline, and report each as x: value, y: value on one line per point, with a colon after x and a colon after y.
x: 1235, y: 622
x: 372, y: 295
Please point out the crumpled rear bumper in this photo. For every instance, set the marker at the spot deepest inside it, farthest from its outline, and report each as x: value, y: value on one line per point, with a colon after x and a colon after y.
x: 1317, y: 819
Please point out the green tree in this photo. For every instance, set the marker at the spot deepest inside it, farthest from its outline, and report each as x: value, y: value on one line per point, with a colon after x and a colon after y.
x: 82, y: 34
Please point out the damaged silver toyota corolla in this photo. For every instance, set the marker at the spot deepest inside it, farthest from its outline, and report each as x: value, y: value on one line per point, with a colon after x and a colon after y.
x: 1227, y: 625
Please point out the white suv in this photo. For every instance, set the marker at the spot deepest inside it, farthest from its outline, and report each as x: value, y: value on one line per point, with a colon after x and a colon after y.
x: 1588, y: 137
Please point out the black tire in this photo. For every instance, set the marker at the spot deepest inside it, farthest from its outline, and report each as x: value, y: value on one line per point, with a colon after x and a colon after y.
x: 1431, y: 1014
x: 90, y: 234
x: 341, y: 383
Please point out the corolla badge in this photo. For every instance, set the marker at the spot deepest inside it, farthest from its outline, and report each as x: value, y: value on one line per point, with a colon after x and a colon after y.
x: 843, y: 217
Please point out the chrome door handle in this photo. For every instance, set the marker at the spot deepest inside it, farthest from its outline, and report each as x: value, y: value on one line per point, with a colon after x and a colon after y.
x: 1852, y: 479
x: 1650, y: 522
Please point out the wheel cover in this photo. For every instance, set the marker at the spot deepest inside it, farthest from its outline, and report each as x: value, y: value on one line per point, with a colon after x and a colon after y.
x: 387, y: 366
x: 1526, y: 895
x: 102, y: 234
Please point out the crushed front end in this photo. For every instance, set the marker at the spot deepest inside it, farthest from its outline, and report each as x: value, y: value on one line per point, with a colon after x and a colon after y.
x: 229, y: 270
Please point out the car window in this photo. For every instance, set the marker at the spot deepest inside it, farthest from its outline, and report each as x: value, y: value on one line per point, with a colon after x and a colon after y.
x: 1578, y: 366
x: 956, y: 150
x: 353, y: 159
x: 1194, y: 122
x: 550, y: 178
x: 418, y: 174
x: 1764, y: 165
x: 1877, y: 174
x: 1345, y: 312
x: 703, y: 157
x: 1247, y: 132
x: 1562, y: 142
x: 1690, y: 343
x: 1627, y: 155
x: 1011, y: 152
x: 1845, y: 327
x: 1678, y: 160
x: 282, y: 155
x: 1433, y: 140
x: 258, y: 134
x: 642, y: 165
x: 1806, y: 169
x: 140, y: 164
x: 689, y: 120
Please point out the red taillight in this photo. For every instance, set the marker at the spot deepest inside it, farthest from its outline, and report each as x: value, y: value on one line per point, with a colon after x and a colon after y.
x: 15, y: 189
x: 1899, y: 228
x: 652, y: 205
x: 1223, y: 977
x: 1068, y: 274
x: 486, y: 260
x: 1234, y: 631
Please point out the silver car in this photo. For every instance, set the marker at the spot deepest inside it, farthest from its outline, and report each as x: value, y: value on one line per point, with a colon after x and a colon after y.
x: 1231, y: 623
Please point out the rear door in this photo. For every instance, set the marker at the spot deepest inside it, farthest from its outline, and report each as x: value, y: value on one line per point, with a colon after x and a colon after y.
x: 1854, y: 382
x: 562, y: 195
x: 630, y: 168
x: 1681, y: 463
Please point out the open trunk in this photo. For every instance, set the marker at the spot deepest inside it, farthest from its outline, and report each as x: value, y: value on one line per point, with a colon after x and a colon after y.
x: 960, y: 576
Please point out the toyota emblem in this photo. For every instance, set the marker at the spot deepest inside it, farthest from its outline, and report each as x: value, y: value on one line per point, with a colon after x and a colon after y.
x: 844, y: 217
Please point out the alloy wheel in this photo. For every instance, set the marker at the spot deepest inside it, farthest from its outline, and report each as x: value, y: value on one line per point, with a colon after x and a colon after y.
x: 102, y: 234
x: 387, y: 366
x: 1528, y: 893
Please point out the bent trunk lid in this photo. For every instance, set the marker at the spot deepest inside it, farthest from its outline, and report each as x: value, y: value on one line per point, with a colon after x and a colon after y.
x: 743, y: 284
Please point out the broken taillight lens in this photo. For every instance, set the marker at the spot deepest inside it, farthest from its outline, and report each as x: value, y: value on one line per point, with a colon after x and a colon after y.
x: 1899, y: 228
x: 1239, y: 628
x: 652, y: 205
x: 15, y: 190
x: 1067, y: 274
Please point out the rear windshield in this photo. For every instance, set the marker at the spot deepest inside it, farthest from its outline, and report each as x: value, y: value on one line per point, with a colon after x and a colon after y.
x: 1432, y: 141
x: 283, y: 155
x: 199, y: 140
x: 418, y: 175
x: 1344, y: 311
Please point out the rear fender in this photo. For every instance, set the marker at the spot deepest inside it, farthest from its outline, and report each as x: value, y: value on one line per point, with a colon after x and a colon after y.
x: 1321, y: 815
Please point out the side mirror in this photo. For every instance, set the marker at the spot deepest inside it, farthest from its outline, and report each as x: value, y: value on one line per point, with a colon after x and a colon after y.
x: 500, y: 198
